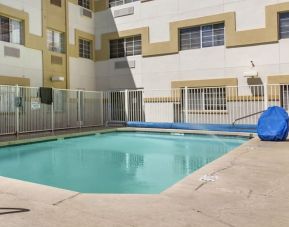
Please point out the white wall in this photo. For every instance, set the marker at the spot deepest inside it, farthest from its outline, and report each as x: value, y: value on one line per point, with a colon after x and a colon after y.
x: 215, y: 62
x: 82, y: 74
x: 29, y: 65
x: 82, y: 71
x: 76, y: 21
x: 153, y: 72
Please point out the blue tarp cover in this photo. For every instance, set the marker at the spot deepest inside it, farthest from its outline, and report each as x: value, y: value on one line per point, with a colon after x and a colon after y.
x: 188, y: 126
x: 273, y: 124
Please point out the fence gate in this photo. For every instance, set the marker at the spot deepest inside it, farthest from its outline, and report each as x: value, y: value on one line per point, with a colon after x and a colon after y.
x: 127, y: 105
x: 135, y: 106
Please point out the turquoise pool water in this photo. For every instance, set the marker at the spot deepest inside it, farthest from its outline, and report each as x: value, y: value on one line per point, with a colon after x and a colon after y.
x: 118, y: 162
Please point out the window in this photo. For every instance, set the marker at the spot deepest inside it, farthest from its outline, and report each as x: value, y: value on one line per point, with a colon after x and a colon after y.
x: 284, y: 25
x: 55, y: 41
x: 84, y: 3
x: 56, y: 2
x: 125, y: 47
x: 85, y: 48
x: 10, y: 30
x: 113, y: 3
x: 202, y: 36
x: 190, y: 38
x: 206, y: 98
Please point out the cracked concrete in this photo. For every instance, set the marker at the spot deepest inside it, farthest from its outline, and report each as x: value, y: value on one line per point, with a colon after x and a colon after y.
x: 251, y: 190
x: 68, y: 198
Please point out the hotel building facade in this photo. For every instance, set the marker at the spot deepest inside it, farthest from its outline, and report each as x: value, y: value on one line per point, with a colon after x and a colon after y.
x: 150, y: 44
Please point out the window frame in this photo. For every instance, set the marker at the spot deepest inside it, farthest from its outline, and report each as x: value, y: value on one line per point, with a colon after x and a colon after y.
x: 204, y: 102
x: 53, y: 47
x: 10, y: 32
x: 87, y: 4
x: 82, y: 54
x: 281, y: 33
x: 200, y: 35
x: 134, y: 43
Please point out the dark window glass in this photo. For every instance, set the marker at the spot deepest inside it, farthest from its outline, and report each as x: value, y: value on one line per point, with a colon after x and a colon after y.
x: 202, y: 36
x: 10, y: 30
x: 84, y: 3
x: 284, y: 25
x: 190, y: 38
x: 125, y: 47
x: 5, y: 29
x: 85, y: 49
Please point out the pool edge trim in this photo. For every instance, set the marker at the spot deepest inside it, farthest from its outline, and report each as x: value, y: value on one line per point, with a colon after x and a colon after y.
x: 125, y: 129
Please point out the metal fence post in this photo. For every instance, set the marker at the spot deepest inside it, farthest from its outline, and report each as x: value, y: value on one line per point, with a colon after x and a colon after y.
x: 101, y: 107
x: 186, y: 104
x: 109, y: 105
x: 17, y: 112
x: 266, y: 96
x: 143, y: 118
x: 79, y: 108
x: 68, y: 106
x: 52, y: 112
x: 126, y: 104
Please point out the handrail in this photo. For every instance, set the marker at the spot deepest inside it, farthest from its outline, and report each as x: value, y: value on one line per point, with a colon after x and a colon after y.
x: 249, y: 115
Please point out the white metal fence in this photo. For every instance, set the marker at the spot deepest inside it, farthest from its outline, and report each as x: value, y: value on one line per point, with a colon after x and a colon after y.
x: 21, y: 110
x: 208, y: 105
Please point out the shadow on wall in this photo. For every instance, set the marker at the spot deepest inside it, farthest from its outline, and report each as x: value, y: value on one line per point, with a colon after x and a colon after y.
x: 120, y: 71
x: 254, y: 84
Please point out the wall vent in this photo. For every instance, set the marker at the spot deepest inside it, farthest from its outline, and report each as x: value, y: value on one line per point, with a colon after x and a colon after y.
x: 124, y: 64
x: 11, y: 52
x: 85, y: 12
x: 124, y: 12
x: 56, y: 60
x: 56, y: 2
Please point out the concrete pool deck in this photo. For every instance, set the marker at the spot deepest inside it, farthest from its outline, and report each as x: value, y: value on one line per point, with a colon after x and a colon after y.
x: 251, y: 190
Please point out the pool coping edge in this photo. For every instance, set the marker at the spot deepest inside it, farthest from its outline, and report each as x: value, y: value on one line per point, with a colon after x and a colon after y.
x: 125, y: 129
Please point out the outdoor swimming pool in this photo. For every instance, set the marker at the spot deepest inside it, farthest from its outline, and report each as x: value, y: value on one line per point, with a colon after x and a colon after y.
x: 116, y: 162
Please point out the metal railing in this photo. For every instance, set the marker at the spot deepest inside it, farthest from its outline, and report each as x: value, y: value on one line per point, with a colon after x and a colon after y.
x: 208, y: 105
x: 21, y: 110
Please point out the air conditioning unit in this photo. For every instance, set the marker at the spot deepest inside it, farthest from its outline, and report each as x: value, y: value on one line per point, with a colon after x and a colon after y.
x: 57, y: 78
x: 85, y: 12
